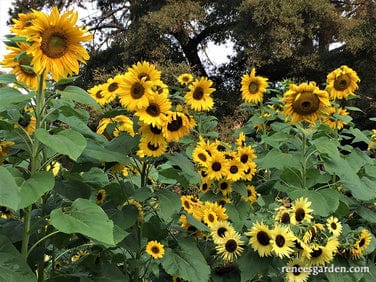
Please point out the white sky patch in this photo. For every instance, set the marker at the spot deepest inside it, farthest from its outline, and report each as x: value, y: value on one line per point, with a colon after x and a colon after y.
x: 215, y: 54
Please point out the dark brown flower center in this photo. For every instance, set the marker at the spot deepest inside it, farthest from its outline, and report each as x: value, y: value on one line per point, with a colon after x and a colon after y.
x: 299, y: 214
x: 202, y: 157
x: 295, y: 269
x: 253, y: 87
x: 221, y: 231
x: 244, y: 158
x: 285, y: 218
x: 155, y: 250
x: 333, y: 225
x: 155, y: 130
x: 204, y: 187
x: 113, y: 86
x: 342, y: 82
x: 175, y: 124
x: 306, y: 103
x: 223, y: 185
x: 362, y: 242
x: 211, y: 217
x: 99, y: 95
x: 316, y: 253
x: 231, y: 245
x: 263, y: 238
x: 198, y: 93
x: 280, y: 240
x: 234, y: 169
x: 153, y: 147
x: 143, y: 75
x: 153, y: 110
x: 216, y: 166
x: 137, y: 90
x: 54, y: 43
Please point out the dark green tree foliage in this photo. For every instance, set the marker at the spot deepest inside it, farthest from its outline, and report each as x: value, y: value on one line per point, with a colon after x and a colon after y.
x: 282, y: 39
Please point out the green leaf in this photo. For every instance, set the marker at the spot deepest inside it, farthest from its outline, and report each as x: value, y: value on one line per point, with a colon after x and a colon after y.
x: 187, y: 262
x: 79, y: 95
x: 8, y: 78
x: 367, y: 214
x: 169, y: 204
x: 9, y: 190
x: 13, y: 266
x: 251, y: 264
x: 96, y: 151
x: 67, y: 142
x: 277, y: 159
x: 186, y: 166
x: 87, y: 218
x: 9, y: 96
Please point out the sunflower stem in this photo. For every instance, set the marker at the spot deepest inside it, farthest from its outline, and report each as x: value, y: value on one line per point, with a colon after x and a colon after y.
x: 304, y: 161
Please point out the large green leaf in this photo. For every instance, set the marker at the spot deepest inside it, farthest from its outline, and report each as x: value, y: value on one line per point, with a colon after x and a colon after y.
x: 279, y: 160
x: 87, y: 218
x: 169, y: 203
x: 187, y: 262
x: 17, y: 197
x: 67, y: 142
x: 12, y: 265
x: 79, y: 95
x: 9, y: 96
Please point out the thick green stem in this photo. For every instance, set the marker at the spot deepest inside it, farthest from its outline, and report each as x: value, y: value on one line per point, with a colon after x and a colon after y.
x: 304, y: 161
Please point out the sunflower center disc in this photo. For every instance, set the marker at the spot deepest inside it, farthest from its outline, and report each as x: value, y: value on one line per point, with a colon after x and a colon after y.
x: 198, y: 93
x: 231, y: 246
x: 216, y: 166
x: 306, y: 103
x: 155, y: 130
x: 175, y: 124
x: 253, y: 88
x: 54, y: 44
x: 113, y: 86
x: 263, y: 238
x: 296, y: 269
x: 316, y: 253
x: 155, y: 250
x: 342, y: 82
x: 99, y: 94
x: 153, y: 110
x: 221, y: 231
x: 152, y: 147
x: 202, y: 157
x: 299, y: 214
x: 280, y: 241
x: 137, y: 90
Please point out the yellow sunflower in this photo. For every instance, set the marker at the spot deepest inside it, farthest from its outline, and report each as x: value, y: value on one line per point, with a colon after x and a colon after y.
x: 205, y: 186
x: 283, y: 215
x: 27, y: 121
x: 98, y: 94
x: 151, y: 149
x: 251, y: 194
x: 253, y: 87
x: 334, y: 226
x: 364, y: 240
x: 321, y: 255
x: 225, y: 186
x: 260, y: 239
x: 300, y: 211
x: 230, y: 246
x: 342, y: 82
x: 190, y: 203
x: 79, y: 255
x: 145, y: 71
x: 219, y: 210
x: 122, y: 124
x: 209, y: 217
x: 112, y: 87
x: 6, y: 213
x: 219, y: 229
x: 245, y: 154
x: 217, y: 166
x: 296, y: 271
x: 200, y: 156
x: 313, y: 232
x: 152, y: 133
x: 249, y: 170
x: 178, y: 125
x: 23, y: 21
x: 137, y: 206
x: 54, y: 167
x: 304, y: 102
x: 100, y: 196
x: 20, y: 64
x: 160, y: 88
x: 4, y: 149
x: 185, y: 78
x: 235, y: 170
x: 155, y: 249
x: 330, y: 117
x: 155, y: 112
x: 56, y: 43
x: 282, y: 241
x: 372, y: 142
x: 134, y: 92
x: 240, y: 141
x: 198, y: 97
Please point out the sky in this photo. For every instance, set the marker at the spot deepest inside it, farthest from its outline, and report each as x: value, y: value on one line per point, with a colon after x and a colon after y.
x: 217, y: 54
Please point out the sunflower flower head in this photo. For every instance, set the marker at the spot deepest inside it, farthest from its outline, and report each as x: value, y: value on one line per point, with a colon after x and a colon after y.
x: 199, y: 95
x: 230, y: 246
x: 253, y: 87
x: 185, y: 79
x: 342, y: 82
x: 155, y: 249
x: 301, y: 211
x: 261, y: 239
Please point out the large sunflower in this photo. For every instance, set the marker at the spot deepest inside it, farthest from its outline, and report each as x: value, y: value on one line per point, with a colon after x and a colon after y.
x: 230, y: 246
x: 20, y: 64
x: 155, y: 112
x: 296, y: 271
x: 198, y: 97
x: 56, y: 43
x: 253, y: 87
x: 342, y: 82
x: 261, y: 239
x: 282, y: 241
x: 304, y: 102
x: 300, y: 211
x: 178, y: 124
x: 155, y: 249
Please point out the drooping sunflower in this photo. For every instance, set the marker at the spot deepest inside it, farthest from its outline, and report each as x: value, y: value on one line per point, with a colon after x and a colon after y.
x: 251, y: 194
x: 334, y: 226
x: 155, y: 112
x: 155, y: 249
x: 100, y: 196
x: 27, y: 121
x: 56, y: 43
x: 283, y: 215
x: 185, y: 78
x: 199, y: 95
x: 304, y: 102
x: 296, y: 271
x: 342, y: 82
x: 217, y: 166
x: 178, y: 124
x: 300, y: 211
x: 4, y: 149
x: 135, y: 204
x: 230, y: 246
x: 282, y: 241
x: 260, y: 239
x: 20, y: 64
x: 151, y: 149
x: 145, y: 71
x: 253, y: 87
x: 122, y: 123
x: 364, y: 240
x: 313, y: 232
x: 302, y: 249
x: 134, y: 92
x: 333, y: 117
x: 219, y: 229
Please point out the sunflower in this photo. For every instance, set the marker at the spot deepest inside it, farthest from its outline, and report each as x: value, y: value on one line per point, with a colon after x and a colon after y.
x: 235, y: 170
x: 219, y: 210
x: 282, y: 241
x: 223, y: 201
x: 364, y: 240
x: 217, y: 166
x: 97, y: 93
x: 185, y: 78
x: 123, y: 124
x: 178, y: 124
x: 155, y: 249
x: 260, y: 239
x: 253, y: 87
x: 330, y: 117
x: 219, y: 229
x: 334, y: 226
x: 209, y: 217
x: 205, y: 186
x: 27, y: 121
x: 300, y: 211
x: 151, y: 149
x: 245, y: 154
x: 251, y: 194
x: 23, y: 21
x: 160, y: 88
x: 120, y: 168
x: 112, y: 87
x: 20, y: 64
x: 321, y: 255
x: 230, y: 246
x: 200, y: 156
x: 191, y: 230
x: 137, y: 206
x: 155, y: 112
x: 79, y: 255
x: 198, y: 97
x: 296, y: 271
x: 100, y: 196
x: 189, y: 203
x: 225, y: 186
x: 283, y: 215
x: 342, y: 82
x: 313, y: 232
x: 4, y: 149
x: 152, y: 133
x: 145, y: 71
x: 54, y: 167
x: 372, y: 142
x: 56, y: 43
x: 249, y: 171
x: 240, y: 141
x: 304, y: 102
x: 303, y: 249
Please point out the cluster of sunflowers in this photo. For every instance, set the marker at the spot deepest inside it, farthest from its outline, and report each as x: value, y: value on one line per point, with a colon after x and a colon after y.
x: 141, y: 92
